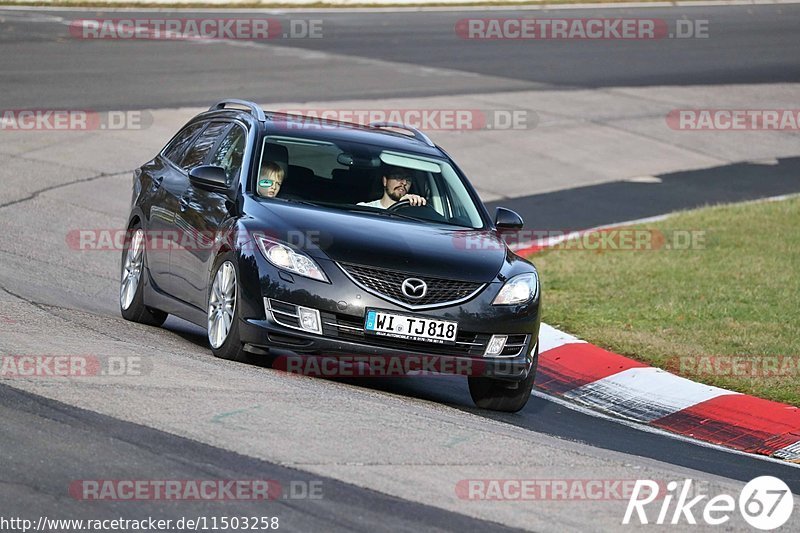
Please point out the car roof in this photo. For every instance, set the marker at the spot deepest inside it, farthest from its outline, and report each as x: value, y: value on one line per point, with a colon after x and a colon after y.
x: 276, y: 123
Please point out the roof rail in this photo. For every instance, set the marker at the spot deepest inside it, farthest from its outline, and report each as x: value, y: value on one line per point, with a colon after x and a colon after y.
x: 418, y: 135
x: 254, y: 108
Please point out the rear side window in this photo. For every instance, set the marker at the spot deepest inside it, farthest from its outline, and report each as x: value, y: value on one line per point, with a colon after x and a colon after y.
x: 230, y: 152
x: 203, y: 145
x: 175, y: 150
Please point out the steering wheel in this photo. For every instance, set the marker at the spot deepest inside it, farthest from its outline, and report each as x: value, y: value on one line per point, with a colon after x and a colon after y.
x: 422, y: 212
x: 400, y: 205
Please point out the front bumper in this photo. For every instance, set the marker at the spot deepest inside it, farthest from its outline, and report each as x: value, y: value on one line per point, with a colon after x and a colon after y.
x: 342, y: 306
x: 264, y: 337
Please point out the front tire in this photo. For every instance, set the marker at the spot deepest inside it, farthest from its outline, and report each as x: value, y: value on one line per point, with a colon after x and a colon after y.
x: 223, y: 311
x: 496, y: 394
x: 131, y: 286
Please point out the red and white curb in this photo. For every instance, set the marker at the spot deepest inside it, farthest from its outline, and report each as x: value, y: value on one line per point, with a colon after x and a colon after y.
x: 581, y: 372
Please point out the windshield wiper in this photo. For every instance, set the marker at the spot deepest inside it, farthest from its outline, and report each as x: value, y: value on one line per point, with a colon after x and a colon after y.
x: 397, y: 214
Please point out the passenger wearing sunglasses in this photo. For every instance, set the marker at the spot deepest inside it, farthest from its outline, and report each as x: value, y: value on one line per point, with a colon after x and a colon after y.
x: 269, y: 184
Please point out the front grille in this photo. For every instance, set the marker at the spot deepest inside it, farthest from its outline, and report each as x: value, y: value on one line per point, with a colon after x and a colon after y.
x: 388, y: 284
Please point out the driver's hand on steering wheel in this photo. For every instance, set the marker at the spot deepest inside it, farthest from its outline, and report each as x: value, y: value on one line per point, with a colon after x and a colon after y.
x: 414, y: 199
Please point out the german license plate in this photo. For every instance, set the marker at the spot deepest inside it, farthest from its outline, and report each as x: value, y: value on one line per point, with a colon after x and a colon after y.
x: 410, y: 327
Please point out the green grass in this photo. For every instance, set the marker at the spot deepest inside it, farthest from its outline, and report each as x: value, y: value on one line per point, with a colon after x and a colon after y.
x: 736, y: 294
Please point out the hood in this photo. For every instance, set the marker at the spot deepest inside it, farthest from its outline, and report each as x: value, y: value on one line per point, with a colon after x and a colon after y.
x: 425, y: 249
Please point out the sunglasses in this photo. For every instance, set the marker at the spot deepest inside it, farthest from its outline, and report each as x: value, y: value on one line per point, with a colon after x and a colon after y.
x: 407, y: 179
x: 268, y: 183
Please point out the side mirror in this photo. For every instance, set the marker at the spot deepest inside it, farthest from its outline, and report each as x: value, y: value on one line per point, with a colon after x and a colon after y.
x: 507, y: 219
x: 210, y: 178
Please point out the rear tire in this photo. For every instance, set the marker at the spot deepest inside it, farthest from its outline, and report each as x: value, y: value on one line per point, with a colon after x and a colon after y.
x: 223, y: 311
x: 495, y: 394
x: 131, y: 288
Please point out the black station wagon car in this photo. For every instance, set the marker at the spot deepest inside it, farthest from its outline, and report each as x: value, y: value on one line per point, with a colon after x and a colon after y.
x: 282, y: 234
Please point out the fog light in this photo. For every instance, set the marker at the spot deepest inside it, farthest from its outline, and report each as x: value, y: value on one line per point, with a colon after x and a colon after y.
x: 309, y: 319
x: 496, y: 345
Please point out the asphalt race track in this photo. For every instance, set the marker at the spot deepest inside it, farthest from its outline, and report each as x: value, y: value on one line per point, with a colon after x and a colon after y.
x: 386, y: 454
x: 746, y: 44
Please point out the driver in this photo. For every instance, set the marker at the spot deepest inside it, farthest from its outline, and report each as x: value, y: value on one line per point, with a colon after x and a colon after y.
x: 396, y: 184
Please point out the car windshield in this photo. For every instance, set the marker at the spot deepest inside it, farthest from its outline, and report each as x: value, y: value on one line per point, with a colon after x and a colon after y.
x: 355, y: 176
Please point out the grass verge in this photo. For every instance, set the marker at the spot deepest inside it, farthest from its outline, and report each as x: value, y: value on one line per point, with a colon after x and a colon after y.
x: 715, y: 296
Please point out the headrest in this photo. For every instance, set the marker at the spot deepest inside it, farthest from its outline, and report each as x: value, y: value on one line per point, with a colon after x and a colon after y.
x: 300, y: 174
x: 277, y: 153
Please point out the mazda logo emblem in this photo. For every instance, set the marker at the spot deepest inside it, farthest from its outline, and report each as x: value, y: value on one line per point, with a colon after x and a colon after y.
x: 414, y: 288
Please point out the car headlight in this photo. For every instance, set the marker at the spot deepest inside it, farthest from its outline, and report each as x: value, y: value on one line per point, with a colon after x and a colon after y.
x: 518, y: 290
x: 282, y: 256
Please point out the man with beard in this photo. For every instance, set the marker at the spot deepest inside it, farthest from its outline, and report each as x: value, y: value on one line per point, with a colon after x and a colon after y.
x: 396, y: 184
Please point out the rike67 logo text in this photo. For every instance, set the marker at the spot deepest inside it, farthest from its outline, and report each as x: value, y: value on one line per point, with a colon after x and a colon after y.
x: 765, y: 503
